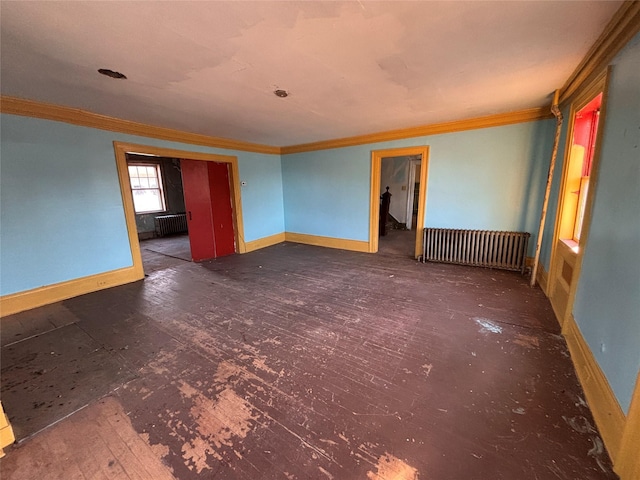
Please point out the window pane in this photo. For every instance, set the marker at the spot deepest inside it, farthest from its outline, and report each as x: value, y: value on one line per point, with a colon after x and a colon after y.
x: 582, y: 204
x: 146, y: 188
x: 147, y: 201
x: 133, y: 177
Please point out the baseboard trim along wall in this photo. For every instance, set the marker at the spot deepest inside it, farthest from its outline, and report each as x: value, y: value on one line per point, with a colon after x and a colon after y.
x: 605, y: 408
x: 264, y: 242
x: 627, y: 462
x: 543, y: 279
x: 329, y: 242
x: 6, y: 432
x: 26, y: 300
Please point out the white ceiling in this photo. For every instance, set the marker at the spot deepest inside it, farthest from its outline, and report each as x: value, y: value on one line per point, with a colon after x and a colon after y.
x: 351, y: 68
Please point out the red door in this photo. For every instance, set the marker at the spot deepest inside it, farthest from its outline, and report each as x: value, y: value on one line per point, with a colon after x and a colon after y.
x: 207, y: 199
x: 197, y: 201
x: 225, y: 241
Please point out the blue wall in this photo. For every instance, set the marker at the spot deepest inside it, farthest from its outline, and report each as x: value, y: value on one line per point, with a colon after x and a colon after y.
x: 62, y: 214
x: 607, y: 304
x: 262, y: 201
x: 491, y: 178
x: 61, y: 210
x: 326, y: 193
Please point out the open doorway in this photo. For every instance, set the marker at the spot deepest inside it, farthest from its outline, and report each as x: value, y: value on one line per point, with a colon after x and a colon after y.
x: 220, y: 187
x: 398, y: 205
x: 404, y: 171
x: 413, y: 197
x: 158, y: 202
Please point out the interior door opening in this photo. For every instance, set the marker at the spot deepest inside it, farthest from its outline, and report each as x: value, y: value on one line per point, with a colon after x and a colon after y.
x: 154, y: 186
x: 160, y: 216
x: 413, y: 199
x: 397, y: 213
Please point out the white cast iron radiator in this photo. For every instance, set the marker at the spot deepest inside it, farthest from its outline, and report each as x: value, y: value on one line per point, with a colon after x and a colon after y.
x: 170, y: 224
x: 481, y: 248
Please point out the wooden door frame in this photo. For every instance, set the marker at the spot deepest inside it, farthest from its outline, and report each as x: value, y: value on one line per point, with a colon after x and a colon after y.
x: 579, y: 100
x: 374, y: 202
x: 121, y: 149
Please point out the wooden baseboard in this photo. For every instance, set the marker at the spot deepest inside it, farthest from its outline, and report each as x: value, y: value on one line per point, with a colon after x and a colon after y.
x: 543, y: 279
x: 18, y: 302
x: 606, y: 410
x: 330, y: 242
x: 6, y: 432
x: 265, y: 242
x: 21, y: 301
x: 628, y: 461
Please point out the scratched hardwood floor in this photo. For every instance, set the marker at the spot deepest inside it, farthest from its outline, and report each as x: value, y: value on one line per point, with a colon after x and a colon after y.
x: 298, y: 362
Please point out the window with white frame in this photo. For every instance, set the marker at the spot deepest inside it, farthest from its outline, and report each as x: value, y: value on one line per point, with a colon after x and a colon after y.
x: 146, y: 187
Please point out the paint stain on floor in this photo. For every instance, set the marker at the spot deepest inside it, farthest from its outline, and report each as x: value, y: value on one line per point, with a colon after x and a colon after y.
x: 219, y: 422
x: 96, y: 442
x: 390, y: 467
x: 527, y: 341
x: 487, y: 326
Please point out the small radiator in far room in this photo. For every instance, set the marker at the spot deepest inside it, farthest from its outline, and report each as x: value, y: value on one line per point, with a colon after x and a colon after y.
x: 170, y: 224
x: 481, y: 248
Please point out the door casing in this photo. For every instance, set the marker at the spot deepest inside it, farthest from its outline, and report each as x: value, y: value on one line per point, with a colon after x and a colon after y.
x: 122, y: 148
x: 374, y: 203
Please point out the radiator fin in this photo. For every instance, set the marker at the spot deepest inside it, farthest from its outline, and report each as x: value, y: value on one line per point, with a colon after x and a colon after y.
x: 481, y: 248
x: 170, y: 224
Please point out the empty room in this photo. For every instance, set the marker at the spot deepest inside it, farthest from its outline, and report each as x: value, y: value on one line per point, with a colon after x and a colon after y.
x: 320, y: 240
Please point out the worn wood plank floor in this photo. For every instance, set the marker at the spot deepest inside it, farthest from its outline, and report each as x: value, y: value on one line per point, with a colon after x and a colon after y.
x: 299, y: 362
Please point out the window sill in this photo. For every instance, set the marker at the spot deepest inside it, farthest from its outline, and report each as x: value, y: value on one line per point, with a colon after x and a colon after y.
x: 571, y: 245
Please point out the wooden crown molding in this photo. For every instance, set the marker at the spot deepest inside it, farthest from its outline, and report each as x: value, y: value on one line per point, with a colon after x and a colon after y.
x: 433, y: 129
x: 622, y: 27
x: 47, y: 111
x: 76, y: 116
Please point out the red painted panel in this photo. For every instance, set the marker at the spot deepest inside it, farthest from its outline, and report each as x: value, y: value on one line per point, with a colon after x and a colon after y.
x: 222, y: 209
x: 197, y: 200
x: 585, y: 128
